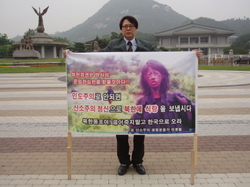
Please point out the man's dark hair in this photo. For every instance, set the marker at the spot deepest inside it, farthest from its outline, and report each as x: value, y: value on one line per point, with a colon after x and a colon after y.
x: 131, y: 19
x: 165, y: 82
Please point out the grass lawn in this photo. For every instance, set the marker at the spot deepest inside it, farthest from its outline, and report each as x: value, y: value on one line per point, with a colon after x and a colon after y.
x: 12, y: 60
x: 32, y: 69
x: 229, y: 68
x: 4, y: 69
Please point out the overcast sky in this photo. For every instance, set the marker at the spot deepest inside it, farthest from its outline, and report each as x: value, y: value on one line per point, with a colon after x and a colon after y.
x: 17, y: 16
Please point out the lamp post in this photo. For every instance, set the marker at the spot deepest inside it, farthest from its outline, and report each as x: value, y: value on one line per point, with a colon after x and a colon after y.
x: 231, y: 56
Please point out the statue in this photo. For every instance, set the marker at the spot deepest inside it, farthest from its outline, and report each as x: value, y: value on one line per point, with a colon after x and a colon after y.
x: 40, y: 27
x: 26, y: 49
x: 26, y: 43
x: 96, y: 46
x: 30, y: 45
x: 23, y: 43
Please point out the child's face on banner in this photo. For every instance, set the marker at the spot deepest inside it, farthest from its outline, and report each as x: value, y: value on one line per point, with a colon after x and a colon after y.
x: 153, y: 77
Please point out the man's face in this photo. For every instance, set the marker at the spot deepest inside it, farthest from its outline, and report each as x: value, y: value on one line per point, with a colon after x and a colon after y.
x: 153, y: 77
x: 128, y: 30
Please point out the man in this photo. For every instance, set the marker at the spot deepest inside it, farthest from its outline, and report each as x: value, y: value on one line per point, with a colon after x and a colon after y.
x: 128, y: 26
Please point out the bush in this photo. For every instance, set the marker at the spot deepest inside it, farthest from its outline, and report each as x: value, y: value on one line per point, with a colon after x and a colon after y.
x: 6, y: 51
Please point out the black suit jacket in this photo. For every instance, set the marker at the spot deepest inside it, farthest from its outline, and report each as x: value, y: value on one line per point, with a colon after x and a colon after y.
x: 119, y: 45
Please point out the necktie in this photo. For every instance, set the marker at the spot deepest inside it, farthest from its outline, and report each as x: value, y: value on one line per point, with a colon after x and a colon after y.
x: 129, y: 46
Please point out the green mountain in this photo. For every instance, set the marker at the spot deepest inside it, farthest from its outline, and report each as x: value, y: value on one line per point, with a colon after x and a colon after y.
x: 240, y: 26
x: 152, y: 17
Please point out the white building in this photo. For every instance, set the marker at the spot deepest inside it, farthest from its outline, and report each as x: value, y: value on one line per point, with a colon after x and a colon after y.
x: 210, y: 40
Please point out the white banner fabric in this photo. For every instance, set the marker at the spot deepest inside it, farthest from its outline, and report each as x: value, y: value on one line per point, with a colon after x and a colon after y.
x: 132, y: 92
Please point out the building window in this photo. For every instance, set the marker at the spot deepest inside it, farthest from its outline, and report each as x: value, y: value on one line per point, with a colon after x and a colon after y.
x: 204, y: 51
x: 183, y: 40
x: 194, y: 40
x: 204, y: 39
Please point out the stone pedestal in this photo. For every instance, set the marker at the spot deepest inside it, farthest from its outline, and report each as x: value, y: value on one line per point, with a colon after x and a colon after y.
x: 26, y: 54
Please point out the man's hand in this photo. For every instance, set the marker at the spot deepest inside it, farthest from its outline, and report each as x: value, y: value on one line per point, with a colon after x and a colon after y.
x: 198, y: 54
x: 65, y: 52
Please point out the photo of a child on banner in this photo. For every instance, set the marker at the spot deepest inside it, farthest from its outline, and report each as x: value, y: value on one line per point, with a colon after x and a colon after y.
x: 140, y: 92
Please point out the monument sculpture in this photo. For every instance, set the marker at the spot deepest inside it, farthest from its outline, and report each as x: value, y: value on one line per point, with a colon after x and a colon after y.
x: 40, y: 27
x: 40, y: 45
x: 26, y: 43
x: 96, y: 46
x: 26, y: 49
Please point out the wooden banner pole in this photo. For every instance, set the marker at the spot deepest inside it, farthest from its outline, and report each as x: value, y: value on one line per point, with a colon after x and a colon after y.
x: 194, y: 158
x: 69, y: 154
x: 69, y: 139
x: 192, y: 167
x: 195, y: 149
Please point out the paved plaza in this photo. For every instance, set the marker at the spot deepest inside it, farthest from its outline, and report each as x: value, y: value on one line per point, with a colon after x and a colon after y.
x: 33, y: 136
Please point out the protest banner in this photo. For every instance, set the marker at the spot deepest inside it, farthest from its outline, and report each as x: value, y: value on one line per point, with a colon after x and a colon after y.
x: 139, y: 92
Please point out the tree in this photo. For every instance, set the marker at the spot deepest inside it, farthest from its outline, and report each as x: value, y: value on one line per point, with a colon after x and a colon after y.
x: 243, y: 41
x: 6, y: 51
x: 236, y: 50
x: 6, y: 48
x: 146, y: 36
x: 240, y: 46
x: 115, y: 35
x: 30, y: 32
x: 102, y: 42
x: 4, y: 40
x: 60, y: 39
x: 79, y: 47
